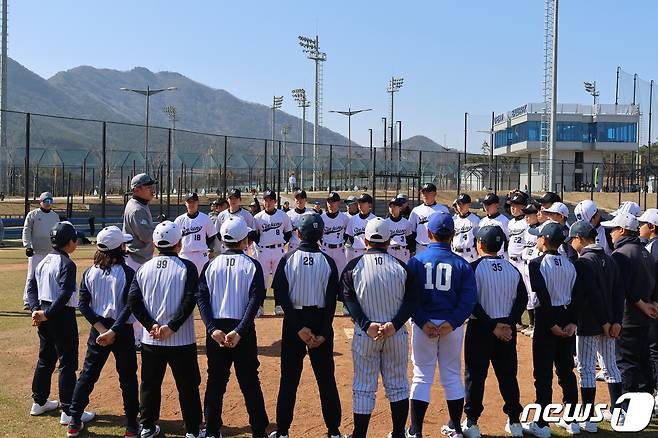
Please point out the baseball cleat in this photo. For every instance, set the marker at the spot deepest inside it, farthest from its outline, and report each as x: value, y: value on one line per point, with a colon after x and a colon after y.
x: 49, y: 405
x: 150, y: 433
x: 588, y: 426
x: 600, y: 376
x: 191, y: 435
x: 260, y: 312
x: 278, y: 310
x: 514, y: 429
x: 536, y: 430
x: 472, y: 431
x: 408, y: 434
x: 571, y: 428
x: 450, y: 432
x: 86, y: 417
x: 75, y: 429
x: 131, y: 433
x: 276, y: 435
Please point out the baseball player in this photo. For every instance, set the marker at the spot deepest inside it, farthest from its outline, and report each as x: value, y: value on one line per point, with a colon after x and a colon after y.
x: 420, y: 214
x: 546, y: 201
x: 356, y: 227
x: 272, y: 230
x: 294, y: 215
x: 231, y: 289
x: 588, y: 211
x: 516, y: 231
x: 552, y: 277
x: 333, y: 238
x: 491, y: 205
x: 36, y: 236
x: 466, y: 227
x: 400, y: 231
x: 162, y: 297
x: 405, y: 210
x: 600, y: 313
x: 138, y: 222
x: 352, y: 206
x: 558, y: 212
x: 530, y: 252
x: 198, y: 231
x: 104, y: 303
x: 52, y: 299
x: 380, y: 293
x: 491, y: 333
x: 306, y: 285
x: 447, y: 296
x: 638, y: 269
x: 234, y: 209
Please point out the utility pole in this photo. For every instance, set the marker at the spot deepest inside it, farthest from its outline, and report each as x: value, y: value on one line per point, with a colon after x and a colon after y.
x: 299, y: 94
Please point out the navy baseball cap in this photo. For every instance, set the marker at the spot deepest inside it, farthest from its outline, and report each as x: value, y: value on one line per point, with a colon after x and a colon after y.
x: 463, y: 198
x: 396, y: 201
x: 428, y: 187
x: 492, y: 236
x: 549, y: 198
x: 269, y: 194
x: 300, y: 194
x: 350, y: 200
x: 62, y: 233
x: 491, y: 198
x: 441, y: 224
x: 403, y: 197
x: 235, y: 193
x: 582, y: 229
x: 333, y: 197
x: 310, y: 226
x: 550, y: 230
x: 192, y: 197
x: 531, y: 208
x: 364, y: 198
x: 519, y: 199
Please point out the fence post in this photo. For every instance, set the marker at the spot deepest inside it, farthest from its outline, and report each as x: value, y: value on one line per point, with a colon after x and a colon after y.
x: 420, y: 175
x: 224, y: 180
x: 84, y: 178
x: 331, y: 160
x: 374, y: 176
x: 168, y: 173
x: 26, y: 175
x: 278, y: 178
x: 496, y: 174
x: 459, y: 171
x: 562, y: 181
x: 265, y: 167
x: 69, y: 199
x: 591, y: 187
x: 63, y: 178
x: 615, y: 179
x: 529, y: 174
x: 160, y: 186
x: 104, y: 172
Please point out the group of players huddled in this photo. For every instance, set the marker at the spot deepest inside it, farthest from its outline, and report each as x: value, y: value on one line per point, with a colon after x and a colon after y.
x: 589, y: 289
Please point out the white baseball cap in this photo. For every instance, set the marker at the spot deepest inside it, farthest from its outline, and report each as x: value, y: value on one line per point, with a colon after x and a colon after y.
x: 558, y: 207
x: 628, y: 207
x: 649, y: 216
x: 623, y: 220
x: 377, y: 230
x: 234, y: 229
x: 167, y: 234
x: 111, y: 238
x: 585, y: 210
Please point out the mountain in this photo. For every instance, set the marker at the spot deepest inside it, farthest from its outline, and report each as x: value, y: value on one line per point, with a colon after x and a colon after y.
x: 422, y: 143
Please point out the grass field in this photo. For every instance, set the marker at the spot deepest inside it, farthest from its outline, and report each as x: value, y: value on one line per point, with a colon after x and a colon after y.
x: 20, y: 346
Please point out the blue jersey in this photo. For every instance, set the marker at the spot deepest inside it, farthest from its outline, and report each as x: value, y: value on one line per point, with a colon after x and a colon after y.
x: 446, y: 286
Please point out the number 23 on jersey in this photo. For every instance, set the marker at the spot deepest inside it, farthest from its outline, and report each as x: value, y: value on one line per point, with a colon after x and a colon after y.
x: 443, y: 279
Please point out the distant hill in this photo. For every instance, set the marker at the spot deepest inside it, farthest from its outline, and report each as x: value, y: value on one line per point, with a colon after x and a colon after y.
x: 422, y: 143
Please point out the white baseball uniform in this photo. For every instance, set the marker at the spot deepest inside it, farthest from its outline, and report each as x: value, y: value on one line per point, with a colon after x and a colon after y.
x: 271, y: 228
x: 530, y: 252
x: 294, y: 216
x: 400, y: 230
x: 418, y: 219
x: 356, y: 227
x: 502, y: 222
x: 196, y: 229
x: 463, y: 243
x: 516, y: 232
x: 241, y: 212
x: 333, y: 239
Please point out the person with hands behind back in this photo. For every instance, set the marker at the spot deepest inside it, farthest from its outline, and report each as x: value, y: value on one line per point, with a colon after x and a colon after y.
x: 491, y: 332
x: 379, y: 292
x: 231, y: 289
x: 306, y: 286
x: 447, y: 289
x: 162, y: 297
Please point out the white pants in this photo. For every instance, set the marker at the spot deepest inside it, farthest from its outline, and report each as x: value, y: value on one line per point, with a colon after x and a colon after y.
x: 352, y: 253
x: 526, y: 279
x: 425, y: 352
x: 32, y: 263
x: 337, y: 255
x: 469, y: 255
x: 199, y: 258
x: 399, y: 253
x: 137, y: 326
x: 269, y: 260
x: 588, y: 348
x: 370, y: 357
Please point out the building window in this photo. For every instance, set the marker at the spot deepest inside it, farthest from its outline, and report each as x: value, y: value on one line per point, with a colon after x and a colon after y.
x: 616, y: 132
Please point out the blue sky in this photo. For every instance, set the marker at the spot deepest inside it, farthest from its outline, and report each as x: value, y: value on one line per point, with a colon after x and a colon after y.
x: 472, y: 56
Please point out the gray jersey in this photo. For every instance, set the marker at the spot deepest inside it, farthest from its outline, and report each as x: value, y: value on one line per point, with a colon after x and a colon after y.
x: 498, y: 284
x: 138, y: 222
x: 36, y: 230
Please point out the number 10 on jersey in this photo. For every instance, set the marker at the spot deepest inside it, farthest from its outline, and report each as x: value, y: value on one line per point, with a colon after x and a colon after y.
x: 443, y: 278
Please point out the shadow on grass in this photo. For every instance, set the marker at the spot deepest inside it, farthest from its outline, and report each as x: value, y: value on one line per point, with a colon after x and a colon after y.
x: 15, y: 314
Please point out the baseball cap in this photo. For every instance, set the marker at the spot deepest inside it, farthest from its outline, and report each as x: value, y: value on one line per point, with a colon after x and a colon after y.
x: 141, y: 179
x: 492, y: 236
x: 396, y: 201
x: 377, y: 230
x: 310, y: 226
x: 300, y: 194
x: 111, y: 238
x: 269, y: 194
x: 350, y: 200
x: 403, y: 197
x: 559, y: 208
x: 428, y: 187
x: 585, y: 210
x: 463, y: 198
x: 441, y: 224
x: 549, y: 198
x: 491, y: 198
x: 582, y: 228
x: 628, y: 207
x: 649, y: 216
x: 530, y: 209
x: 551, y: 230
x: 215, y: 202
x: 234, y: 229
x: 519, y: 199
x: 624, y: 220
x: 333, y: 197
x: 192, y: 197
x: 235, y: 193
x: 364, y: 197
x: 46, y: 196
x: 62, y: 233
x: 167, y: 234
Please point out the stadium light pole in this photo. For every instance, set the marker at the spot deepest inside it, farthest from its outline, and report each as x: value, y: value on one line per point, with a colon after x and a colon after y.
x: 311, y: 47
x: 299, y: 94
x: 277, y: 101
x: 590, y: 87
x: 349, y: 113
x: 148, y: 93
x: 172, y: 114
x: 394, y: 86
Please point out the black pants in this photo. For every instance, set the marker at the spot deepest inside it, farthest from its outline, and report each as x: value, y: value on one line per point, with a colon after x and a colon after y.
x: 632, y: 350
x: 125, y: 359
x: 58, y: 339
x: 481, y: 347
x: 244, y: 357
x: 653, y: 352
x: 185, y: 368
x: 293, y: 351
x: 549, y: 350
